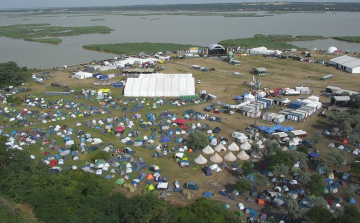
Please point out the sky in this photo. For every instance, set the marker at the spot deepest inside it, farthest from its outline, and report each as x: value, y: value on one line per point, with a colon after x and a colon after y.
x: 6, y: 4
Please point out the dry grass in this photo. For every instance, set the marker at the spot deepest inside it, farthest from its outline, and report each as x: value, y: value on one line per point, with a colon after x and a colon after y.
x: 284, y: 73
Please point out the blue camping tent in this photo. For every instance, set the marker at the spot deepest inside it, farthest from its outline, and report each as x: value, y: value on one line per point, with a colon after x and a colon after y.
x: 252, y: 212
x: 224, y: 193
x: 207, y: 171
x: 352, y: 200
x: 165, y: 139
x: 313, y: 155
x: 207, y: 194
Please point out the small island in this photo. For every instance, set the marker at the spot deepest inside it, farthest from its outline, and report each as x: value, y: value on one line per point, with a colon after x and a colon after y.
x: 352, y: 39
x: 96, y: 20
x: 39, y: 32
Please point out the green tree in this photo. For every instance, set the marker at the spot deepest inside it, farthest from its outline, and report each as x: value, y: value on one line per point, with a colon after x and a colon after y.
x: 255, y: 148
x: 319, y: 215
x: 247, y: 168
x: 281, y: 169
x: 197, y: 140
x: 271, y: 146
x: 243, y: 185
x: 280, y: 157
x: 353, y: 139
x: 292, y: 208
x: 317, y: 201
x: 351, y: 215
x: 355, y: 168
x: 304, y: 177
x: 303, y: 149
x: 348, y: 192
x: 98, y: 154
x: 291, y: 136
x: 261, y: 180
x: 204, y: 211
x: 337, y: 158
x: 317, y: 138
x: 11, y: 74
x: 316, y: 185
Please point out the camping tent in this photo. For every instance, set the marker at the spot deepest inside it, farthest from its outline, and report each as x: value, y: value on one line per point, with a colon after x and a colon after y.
x: 208, y: 150
x: 216, y: 158
x: 230, y: 157
x: 233, y: 147
x: 220, y: 147
x: 200, y: 160
x: 207, y: 171
x: 245, y: 146
x: 191, y: 185
x: 242, y: 155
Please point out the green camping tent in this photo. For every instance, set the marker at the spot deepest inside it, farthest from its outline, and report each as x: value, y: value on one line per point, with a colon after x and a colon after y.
x: 150, y: 187
x: 120, y: 181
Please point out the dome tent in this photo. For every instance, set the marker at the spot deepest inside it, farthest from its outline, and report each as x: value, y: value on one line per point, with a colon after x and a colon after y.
x: 216, y: 158
x: 200, y: 160
x: 331, y: 49
x: 233, y: 147
x: 230, y: 157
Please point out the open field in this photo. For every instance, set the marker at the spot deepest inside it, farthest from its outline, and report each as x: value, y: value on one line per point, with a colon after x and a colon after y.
x: 222, y: 82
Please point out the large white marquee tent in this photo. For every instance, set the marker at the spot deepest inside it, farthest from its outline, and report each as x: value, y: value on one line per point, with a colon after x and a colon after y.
x: 167, y: 85
x: 346, y: 63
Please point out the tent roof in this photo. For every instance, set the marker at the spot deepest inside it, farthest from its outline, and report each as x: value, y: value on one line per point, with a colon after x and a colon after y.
x: 245, y: 146
x: 242, y: 155
x: 200, y: 159
x: 216, y: 158
x: 220, y: 147
x: 230, y: 157
x: 347, y: 61
x: 208, y: 150
x: 233, y: 147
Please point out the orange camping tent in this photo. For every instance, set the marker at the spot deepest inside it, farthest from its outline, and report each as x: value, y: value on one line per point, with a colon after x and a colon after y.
x: 261, y: 201
x: 149, y: 177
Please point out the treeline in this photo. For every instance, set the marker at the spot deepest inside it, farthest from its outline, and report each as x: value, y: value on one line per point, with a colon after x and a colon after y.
x: 12, y: 74
x: 77, y: 196
x: 264, y: 6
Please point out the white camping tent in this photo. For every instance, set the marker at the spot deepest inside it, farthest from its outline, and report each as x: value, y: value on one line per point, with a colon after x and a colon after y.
x: 245, y: 146
x: 256, y: 155
x: 200, y: 160
x: 242, y: 155
x: 230, y: 157
x: 220, y: 147
x: 216, y: 158
x: 233, y: 147
x: 208, y: 150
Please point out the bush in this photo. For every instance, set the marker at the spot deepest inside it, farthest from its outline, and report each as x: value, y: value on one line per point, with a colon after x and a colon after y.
x: 99, y: 155
x: 303, y: 149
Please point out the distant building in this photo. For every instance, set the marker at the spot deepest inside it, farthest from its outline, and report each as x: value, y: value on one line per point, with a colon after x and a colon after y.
x: 216, y: 49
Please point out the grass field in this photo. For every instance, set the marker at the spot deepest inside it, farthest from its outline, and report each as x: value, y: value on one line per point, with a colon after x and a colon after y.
x: 222, y: 82
x: 54, y: 41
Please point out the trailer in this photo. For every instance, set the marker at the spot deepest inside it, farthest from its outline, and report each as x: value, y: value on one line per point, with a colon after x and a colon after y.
x: 279, y: 118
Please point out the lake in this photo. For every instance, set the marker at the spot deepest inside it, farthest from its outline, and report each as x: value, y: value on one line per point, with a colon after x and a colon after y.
x: 182, y: 29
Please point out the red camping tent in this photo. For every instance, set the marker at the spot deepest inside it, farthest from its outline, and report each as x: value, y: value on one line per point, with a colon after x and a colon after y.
x: 180, y: 121
x: 53, y: 163
x: 119, y: 129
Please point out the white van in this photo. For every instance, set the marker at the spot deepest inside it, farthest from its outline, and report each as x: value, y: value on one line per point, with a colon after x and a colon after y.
x: 240, y: 137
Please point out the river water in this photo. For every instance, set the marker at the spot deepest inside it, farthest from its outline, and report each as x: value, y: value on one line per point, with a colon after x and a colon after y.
x: 196, y: 30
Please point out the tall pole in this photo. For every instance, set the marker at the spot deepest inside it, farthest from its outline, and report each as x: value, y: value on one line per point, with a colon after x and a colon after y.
x: 256, y: 87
